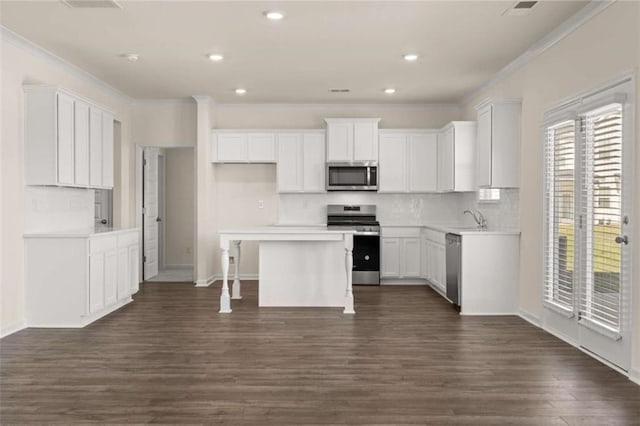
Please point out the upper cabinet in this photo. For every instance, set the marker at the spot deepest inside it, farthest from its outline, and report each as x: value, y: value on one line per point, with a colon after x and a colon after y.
x: 456, y: 157
x: 243, y: 147
x: 301, y: 164
x: 498, y: 143
x: 352, y: 139
x: 408, y: 161
x: 68, y: 140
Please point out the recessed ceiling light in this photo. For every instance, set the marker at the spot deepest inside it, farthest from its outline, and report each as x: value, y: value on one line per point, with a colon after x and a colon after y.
x: 390, y: 91
x: 216, y: 57
x: 274, y: 15
x: 410, y: 57
x: 241, y: 91
x: 132, y: 57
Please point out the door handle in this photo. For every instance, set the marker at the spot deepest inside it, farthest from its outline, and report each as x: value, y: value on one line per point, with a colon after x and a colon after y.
x: 622, y: 239
x: 104, y: 221
x: 158, y: 219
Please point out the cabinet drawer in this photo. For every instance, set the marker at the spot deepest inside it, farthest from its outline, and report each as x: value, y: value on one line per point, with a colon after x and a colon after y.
x: 400, y: 232
x: 127, y: 239
x: 98, y: 244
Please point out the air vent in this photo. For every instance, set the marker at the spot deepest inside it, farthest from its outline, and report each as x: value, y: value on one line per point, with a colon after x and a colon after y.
x: 339, y: 90
x: 92, y: 4
x: 520, y: 8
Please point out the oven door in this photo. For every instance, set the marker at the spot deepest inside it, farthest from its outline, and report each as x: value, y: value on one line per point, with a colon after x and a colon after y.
x: 351, y: 177
x: 366, y: 259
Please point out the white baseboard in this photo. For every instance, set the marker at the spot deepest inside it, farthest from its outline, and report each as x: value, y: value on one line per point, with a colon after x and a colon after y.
x: 178, y: 266
x: 14, y: 327
x: 634, y: 375
x: 206, y: 282
x: 398, y: 281
x: 489, y: 314
x: 562, y: 337
x: 530, y: 318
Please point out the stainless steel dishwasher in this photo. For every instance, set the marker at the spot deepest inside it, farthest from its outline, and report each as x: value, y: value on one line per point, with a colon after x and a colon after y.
x: 454, y: 267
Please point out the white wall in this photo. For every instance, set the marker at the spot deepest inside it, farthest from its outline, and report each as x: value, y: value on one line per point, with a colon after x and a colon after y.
x: 602, y: 49
x: 21, y: 66
x: 179, y: 205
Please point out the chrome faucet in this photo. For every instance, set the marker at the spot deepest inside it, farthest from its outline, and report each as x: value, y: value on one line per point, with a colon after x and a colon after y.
x: 478, y: 217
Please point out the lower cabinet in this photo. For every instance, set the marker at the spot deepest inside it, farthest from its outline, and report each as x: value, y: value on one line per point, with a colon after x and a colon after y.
x: 73, y: 280
x: 434, y: 258
x: 400, y: 253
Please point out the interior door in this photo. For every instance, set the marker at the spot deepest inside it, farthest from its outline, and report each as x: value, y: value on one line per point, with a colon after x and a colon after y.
x: 150, y: 208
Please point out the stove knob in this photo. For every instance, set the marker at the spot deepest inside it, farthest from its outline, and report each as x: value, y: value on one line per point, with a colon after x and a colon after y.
x: 366, y: 257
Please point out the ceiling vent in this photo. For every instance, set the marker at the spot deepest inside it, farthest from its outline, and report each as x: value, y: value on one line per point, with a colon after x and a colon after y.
x: 339, y: 90
x: 520, y: 8
x: 92, y: 4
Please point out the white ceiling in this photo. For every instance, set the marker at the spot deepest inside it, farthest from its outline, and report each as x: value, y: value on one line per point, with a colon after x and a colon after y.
x: 318, y: 46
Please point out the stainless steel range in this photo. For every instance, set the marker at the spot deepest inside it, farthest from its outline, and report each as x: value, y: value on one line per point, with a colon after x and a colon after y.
x: 366, y: 240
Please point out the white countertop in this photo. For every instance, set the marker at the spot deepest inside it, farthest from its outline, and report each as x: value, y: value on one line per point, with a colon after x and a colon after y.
x: 456, y: 229
x: 285, y: 229
x: 79, y: 233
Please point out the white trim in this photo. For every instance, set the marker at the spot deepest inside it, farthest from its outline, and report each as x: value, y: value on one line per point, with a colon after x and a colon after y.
x: 206, y: 282
x: 634, y: 375
x: 603, y: 361
x: 592, y: 9
x: 218, y: 277
x: 489, y: 314
x: 166, y: 101
x: 180, y: 266
x: 403, y: 281
x: 563, y: 337
x: 338, y: 105
x: 37, y: 50
x: 530, y: 318
x: 14, y: 327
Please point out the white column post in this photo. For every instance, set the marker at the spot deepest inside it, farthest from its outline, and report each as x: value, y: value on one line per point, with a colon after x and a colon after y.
x: 225, y: 300
x: 348, y: 298
x: 236, y: 282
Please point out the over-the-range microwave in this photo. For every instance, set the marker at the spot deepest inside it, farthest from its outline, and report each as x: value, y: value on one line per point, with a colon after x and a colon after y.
x: 361, y: 176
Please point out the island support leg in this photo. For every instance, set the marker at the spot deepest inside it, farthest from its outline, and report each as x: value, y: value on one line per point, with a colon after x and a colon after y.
x: 235, y: 289
x: 225, y: 300
x: 348, y: 298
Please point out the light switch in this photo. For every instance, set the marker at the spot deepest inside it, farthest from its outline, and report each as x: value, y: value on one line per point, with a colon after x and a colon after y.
x: 261, y: 204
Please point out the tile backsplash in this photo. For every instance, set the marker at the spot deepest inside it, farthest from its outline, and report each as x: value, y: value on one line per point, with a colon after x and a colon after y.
x: 52, y: 209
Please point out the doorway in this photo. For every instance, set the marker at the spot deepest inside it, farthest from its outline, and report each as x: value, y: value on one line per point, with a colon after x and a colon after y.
x: 166, y: 201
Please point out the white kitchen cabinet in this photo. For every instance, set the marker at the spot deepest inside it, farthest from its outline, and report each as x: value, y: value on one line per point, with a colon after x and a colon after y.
x: 64, y: 144
x: 408, y: 161
x: 230, y: 147
x: 261, y: 148
x: 434, y: 258
x: 352, y: 139
x: 400, y: 252
x: 74, y: 279
x: 237, y: 146
x: 456, y: 157
x: 498, y: 143
x: 301, y: 165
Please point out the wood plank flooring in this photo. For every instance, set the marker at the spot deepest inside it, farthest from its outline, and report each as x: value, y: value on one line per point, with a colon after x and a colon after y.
x: 406, y: 358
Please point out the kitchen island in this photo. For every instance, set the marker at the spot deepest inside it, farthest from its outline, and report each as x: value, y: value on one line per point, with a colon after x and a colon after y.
x: 298, y: 266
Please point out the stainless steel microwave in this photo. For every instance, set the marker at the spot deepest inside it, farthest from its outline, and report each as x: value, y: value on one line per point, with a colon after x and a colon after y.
x: 352, y: 176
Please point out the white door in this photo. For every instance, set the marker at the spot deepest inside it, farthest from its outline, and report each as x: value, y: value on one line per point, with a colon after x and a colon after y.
x: 81, y: 143
x: 365, y: 141
x: 289, y: 163
x: 95, y: 147
x: 340, y: 142
x: 410, y: 257
x: 313, y: 164
x: 66, y: 149
x: 107, y: 150
x: 390, y: 254
x: 150, y: 208
x: 446, y: 167
x: 392, y: 168
x: 423, y: 162
x: 484, y: 143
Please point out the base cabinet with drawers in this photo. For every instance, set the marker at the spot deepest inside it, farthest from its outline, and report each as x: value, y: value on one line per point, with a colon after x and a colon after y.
x: 72, y: 280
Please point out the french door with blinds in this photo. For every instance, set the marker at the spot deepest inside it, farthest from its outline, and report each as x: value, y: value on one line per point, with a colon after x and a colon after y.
x: 588, y: 202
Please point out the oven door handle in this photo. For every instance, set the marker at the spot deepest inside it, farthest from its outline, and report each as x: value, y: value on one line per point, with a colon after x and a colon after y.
x: 367, y: 233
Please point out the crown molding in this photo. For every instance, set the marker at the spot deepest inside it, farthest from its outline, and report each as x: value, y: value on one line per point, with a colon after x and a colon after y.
x: 592, y: 9
x: 165, y: 101
x: 336, y: 105
x: 39, y: 51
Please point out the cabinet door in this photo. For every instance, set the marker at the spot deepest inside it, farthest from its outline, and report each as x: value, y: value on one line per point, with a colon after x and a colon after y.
x: 124, y: 288
x: 110, y: 277
x: 134, y: 268
x: 423, y: 162
x: 95, y: 147
x: 107, y: 150
x: 446, y: 170
x: 96, y: 281
x: 289, y: 162
x: 424, y: 258
x: 339, y: 141
x: 484, y: 143
x: 442, y: 266
x: 261, y: 147
x: 313, y: 164
x: 390, y: 254
x: 365, y: 141
x: 66, y: 166
x: 81, y: 143
x: 232, y: 147
x: 410, y: 257
x: 392, y: 166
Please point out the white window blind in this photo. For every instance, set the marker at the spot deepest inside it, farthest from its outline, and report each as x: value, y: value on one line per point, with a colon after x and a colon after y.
x: 600, y: 300
x: 560, y: 157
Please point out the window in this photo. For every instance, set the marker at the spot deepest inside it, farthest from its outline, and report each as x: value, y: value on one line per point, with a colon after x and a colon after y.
x: 488, y: 195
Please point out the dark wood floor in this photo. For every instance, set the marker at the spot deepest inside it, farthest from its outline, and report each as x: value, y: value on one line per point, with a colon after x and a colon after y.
x: 405, y: 358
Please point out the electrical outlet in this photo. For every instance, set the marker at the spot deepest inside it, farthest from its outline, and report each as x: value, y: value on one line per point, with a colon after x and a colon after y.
x: 261, y: 204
